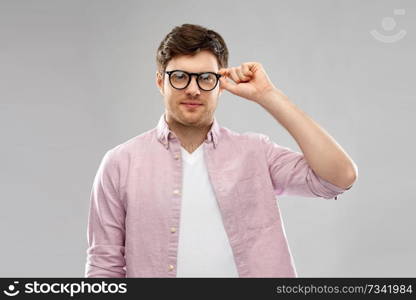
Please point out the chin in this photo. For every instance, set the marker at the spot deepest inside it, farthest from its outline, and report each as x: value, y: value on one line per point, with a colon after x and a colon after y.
x: 192, y: 120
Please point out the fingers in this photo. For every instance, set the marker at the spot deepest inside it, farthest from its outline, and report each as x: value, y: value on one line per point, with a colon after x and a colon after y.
x: 228, y: 85
x: 234, y: 75
x: 224, y: 82
x: 238, y: 74
x: 241, y: 75
x: 246, y: 69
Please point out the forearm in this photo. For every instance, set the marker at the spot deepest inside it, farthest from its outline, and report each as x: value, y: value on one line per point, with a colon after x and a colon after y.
x: 321, y: 151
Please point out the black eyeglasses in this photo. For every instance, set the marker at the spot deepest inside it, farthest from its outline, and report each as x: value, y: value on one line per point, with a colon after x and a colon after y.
x: 207, y: 81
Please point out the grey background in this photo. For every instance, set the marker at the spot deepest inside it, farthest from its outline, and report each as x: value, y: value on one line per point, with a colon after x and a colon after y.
x: 77, y: 78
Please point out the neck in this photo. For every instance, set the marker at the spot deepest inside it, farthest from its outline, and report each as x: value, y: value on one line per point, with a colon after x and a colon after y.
x: 190, y: 137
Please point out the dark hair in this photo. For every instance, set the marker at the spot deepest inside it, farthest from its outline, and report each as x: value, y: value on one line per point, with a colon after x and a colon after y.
x: 189, y: 39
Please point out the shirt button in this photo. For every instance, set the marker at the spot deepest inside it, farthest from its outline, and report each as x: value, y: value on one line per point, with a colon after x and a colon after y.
x: 176, y: 192
x: 171, y: 267
x: 176, y: 156
x: 173, y: 229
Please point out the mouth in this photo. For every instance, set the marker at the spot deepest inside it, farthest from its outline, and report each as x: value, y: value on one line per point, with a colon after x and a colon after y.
x: 191, y: 104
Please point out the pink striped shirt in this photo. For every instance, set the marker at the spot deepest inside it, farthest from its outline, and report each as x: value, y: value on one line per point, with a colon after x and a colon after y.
x: 135, y: 202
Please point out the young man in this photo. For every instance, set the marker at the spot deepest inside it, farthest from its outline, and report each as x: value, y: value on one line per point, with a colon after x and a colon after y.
x: 190, y: 198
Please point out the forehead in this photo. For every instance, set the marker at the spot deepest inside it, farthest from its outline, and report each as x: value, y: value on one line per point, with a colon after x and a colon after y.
x: 203, y: 61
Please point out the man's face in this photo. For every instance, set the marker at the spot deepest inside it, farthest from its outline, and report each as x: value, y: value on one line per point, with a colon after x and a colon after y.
x: 176, y: 111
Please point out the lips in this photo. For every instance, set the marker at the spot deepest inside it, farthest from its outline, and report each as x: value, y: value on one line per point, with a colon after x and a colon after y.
x: 191, y: 104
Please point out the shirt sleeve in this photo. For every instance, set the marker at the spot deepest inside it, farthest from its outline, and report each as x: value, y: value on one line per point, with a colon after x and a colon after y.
x: 291, y: 174
x: 106, y: 224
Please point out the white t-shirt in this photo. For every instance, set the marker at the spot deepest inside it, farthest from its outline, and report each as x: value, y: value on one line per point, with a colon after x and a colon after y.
x: 204, y: 249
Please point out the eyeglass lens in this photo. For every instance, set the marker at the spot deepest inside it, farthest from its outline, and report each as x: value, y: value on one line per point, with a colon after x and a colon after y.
x: 206, y: 81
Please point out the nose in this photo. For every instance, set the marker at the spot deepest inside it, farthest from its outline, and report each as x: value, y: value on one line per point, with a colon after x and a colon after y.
x: 193, y: 89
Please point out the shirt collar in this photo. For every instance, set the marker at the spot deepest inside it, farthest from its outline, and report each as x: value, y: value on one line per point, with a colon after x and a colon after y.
x: 164, y: 134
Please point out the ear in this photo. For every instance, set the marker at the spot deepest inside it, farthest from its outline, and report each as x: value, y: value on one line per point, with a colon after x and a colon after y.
x: 159, y: 82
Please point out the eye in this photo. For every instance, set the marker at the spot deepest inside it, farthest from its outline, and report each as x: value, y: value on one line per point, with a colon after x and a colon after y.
x: 208, y: 77
x: 178, y: 75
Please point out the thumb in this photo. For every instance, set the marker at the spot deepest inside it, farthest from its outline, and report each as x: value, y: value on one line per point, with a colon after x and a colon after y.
x: 228, y: 85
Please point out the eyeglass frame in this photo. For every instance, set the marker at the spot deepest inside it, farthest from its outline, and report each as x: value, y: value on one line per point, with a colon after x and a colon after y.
x: 190, y: 74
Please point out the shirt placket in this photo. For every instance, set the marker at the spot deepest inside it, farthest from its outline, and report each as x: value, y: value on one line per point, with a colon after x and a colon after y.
x: 175, y: 198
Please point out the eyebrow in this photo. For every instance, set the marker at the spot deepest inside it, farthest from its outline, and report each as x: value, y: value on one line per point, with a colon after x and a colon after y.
x: 193, y: 72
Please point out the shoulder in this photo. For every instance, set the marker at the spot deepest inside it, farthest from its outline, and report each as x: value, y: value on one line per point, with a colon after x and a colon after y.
x: 132, y: 146
x: 244, y: 141
x: 247, y: 137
